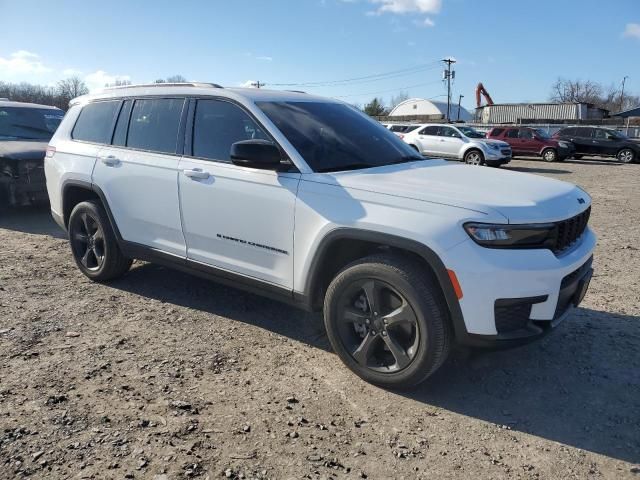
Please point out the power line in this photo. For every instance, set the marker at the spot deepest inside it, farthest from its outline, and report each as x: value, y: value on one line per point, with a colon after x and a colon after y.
x: 390, y: 90
x: 363, y: 79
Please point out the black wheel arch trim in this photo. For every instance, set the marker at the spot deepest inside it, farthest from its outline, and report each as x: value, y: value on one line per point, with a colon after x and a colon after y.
x: 302, y: 299
x: 400, y: 243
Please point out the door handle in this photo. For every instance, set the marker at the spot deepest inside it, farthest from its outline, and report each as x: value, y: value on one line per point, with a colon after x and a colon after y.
x: 110, y: 160
x: 196, y: 173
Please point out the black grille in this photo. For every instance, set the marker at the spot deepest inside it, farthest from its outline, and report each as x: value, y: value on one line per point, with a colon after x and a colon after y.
x: 569, y: 231
x: 512, y: 317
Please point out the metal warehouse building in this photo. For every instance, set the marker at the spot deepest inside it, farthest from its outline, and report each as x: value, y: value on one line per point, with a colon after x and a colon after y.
x: 427, y: 109
x: 538, y: 112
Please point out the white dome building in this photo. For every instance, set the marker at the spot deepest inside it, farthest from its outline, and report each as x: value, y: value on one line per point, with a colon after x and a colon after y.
x: 429, y: 108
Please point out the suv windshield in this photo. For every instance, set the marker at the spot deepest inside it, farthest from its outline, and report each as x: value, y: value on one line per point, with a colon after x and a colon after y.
x: 470, y: 132
x: 19, y: 123
x: 541, y: 133
x: 333, y: 136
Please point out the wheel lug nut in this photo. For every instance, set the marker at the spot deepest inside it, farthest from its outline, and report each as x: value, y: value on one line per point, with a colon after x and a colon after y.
x: 384, y: 333
x: 373, y: 332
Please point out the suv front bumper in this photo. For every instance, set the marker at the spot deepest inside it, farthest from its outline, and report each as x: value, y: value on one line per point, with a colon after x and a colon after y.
x: 514, y: 296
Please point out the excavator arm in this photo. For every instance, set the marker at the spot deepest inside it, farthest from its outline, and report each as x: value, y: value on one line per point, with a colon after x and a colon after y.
x: 480, y: 90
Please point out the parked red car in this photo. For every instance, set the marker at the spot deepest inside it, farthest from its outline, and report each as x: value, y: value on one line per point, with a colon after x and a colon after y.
x: 529, y: 141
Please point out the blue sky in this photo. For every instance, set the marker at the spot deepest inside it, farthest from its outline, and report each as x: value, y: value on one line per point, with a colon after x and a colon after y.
x: 516, y: 48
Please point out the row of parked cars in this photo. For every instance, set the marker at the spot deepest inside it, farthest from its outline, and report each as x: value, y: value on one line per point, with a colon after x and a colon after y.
x: 496, y: 148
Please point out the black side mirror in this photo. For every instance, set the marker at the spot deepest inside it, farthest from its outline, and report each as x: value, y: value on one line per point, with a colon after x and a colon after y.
x: 256, y: 154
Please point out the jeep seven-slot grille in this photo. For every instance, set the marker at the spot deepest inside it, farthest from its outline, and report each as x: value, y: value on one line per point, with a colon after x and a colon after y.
x: 569, y: 231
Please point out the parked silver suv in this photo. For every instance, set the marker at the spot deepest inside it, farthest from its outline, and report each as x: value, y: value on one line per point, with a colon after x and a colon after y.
x: 458, y: 142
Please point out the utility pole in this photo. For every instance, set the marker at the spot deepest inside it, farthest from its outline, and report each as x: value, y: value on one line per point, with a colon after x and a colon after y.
x: 448, y: 74
x: 624, y: 79
x: 459, y: 102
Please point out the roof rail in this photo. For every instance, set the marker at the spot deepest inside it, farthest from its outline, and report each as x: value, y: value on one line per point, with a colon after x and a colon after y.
x: 295, y: 91
x: 166, y: 84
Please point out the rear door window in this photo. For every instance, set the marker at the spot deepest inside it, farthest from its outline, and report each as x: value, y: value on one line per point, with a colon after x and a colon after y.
x: 155, y: 124
x: 583, y: 132
x: 526, y: 134
x: 513, y: 133
x: 431, y: 130
x: 95, y: 123
x: 218, y: 125
x: 122, y: 125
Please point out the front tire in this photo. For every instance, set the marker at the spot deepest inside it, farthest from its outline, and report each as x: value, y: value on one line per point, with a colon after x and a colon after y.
x: 387, y: 321
x: 93, y: 243
x: 549, y: 155
x: 474, y: 157
x: 626, y: 155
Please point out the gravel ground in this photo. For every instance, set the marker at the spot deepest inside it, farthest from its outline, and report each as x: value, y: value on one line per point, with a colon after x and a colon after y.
x: 161, y: 375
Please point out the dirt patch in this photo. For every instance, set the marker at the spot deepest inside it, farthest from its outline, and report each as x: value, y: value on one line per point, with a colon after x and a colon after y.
x: 163, y: 375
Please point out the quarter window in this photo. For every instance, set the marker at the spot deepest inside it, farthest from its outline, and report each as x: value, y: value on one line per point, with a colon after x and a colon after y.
x: 154, y: 124
x: 497, y: 132
x: 95, y: 122
x: 218, y: 125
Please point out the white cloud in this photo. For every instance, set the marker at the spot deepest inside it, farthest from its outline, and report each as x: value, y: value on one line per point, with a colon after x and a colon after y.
x: 408, y: 6
x: 22, y: 62
x: 265, y: 58
x: 71, y: 72
x: 249, y: 84
x: 98, y: 79
x: 632, y: 30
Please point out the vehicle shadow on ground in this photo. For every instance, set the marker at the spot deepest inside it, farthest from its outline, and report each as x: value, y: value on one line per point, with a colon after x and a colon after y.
x: 177, y: 288
x: 536, y: 170
x: 579, y: 386
x: 33, y: 220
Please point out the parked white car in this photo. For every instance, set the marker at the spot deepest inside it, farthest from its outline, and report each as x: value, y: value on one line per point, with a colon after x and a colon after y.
x: 401, y: 129
x: 458, y: 142
x: 310, y: 201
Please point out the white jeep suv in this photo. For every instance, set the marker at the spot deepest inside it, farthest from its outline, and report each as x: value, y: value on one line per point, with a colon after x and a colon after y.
x: 310, y: 201
x: 458, y: 142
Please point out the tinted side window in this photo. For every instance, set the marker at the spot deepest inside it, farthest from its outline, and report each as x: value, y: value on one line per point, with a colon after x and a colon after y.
x: 430, y: 130
x: 497, y: 132
x: 95, y: 122
x: 220, y: 124
x: 513, y: 133
x: 449, y: 132
x: 526, y: 134
x: 398, y: 128
x: 122, y: 125
x: 583, y: 132
x: 154, y: 124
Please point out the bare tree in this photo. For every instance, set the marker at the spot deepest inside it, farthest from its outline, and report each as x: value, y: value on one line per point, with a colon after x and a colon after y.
x: 610, y: 98
x: 172, y: 79
x: 398, y: 99
x: 72, y: 87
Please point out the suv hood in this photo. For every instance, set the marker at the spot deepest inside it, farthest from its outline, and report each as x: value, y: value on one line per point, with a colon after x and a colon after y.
x: 500, y: 143
x: 520, y: 197
x: 23, y: 150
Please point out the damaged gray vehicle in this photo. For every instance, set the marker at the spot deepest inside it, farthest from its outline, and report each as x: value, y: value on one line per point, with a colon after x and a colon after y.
x: 25, y: 130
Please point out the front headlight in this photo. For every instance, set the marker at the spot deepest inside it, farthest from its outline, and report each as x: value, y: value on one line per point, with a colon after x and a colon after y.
x: 493, y: 146
x: 563, y: 144
x: 537, y: 235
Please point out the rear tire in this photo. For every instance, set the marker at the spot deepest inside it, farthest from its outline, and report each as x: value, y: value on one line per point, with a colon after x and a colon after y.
x: 549, y: 155
x: 626, y: 155
x: 93, y: 243
x: 387, y: 320
x: 474, y: 157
